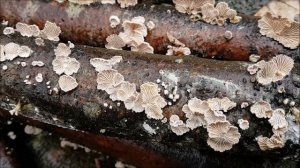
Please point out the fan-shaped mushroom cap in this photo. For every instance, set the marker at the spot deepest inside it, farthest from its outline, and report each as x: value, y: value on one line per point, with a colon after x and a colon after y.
x: 62, y: 50
x: 284, y: 66
x: 209, y: 13
x: 24, y: 52
x: 243, y: 124
x: 280, y: 29
x: 153, y: 111
x: 144, y: 47
x: 67, y: 83
x: 114, y: 21
x: 100, y: 64
x: 127, y: 3
x: 278, y: 119
x: 224, y: 104
x: 214, y: 116
x: 150, y: 25
x: 134, y: 30
x: 149, y: 90
x: 261, y: 109
x: 191, y: 6
x: 222, y: 7
x: 124, y: 91
x: 8, y: 30
x: 11, y: 50
x: 32, y: 130
x: 276, y: 141
x: 65, y: 65
x: 178, y: 51
x: 39, y: 42
x: 135, y: 103
x: 39, y: 78
x: 222, y: 135
x: 107, y: 80
x: 228, y: 35
x: 267, y: 73
x: 177, y: 125
x: 51, y: 31
x: 27, y: 30
x: 196, y: 105
x: 114, y: 42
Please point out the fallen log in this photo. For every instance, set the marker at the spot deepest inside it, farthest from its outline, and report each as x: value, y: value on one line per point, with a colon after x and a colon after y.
x: 85, y: 109
x: 90, y: 25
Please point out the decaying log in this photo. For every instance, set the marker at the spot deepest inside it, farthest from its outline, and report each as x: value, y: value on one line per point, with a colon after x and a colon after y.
x: 90, y: 25
x: 84, y: 108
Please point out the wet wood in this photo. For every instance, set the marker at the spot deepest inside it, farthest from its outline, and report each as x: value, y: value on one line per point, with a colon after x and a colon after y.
x: 90, y: 25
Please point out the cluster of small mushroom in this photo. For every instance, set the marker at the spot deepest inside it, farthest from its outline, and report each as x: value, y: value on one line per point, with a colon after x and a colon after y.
x: 210, y: 14
x: 133, y: 36
x: 277, y: 119
x: 179, y: 49
x: 282, y: 30
x: 209, y: 114
x: 11, y: 50
x: 51, y: 31
x: 274, y: 70
x: 63, y: 64
x: 113, y: 83
x: 123, y: 3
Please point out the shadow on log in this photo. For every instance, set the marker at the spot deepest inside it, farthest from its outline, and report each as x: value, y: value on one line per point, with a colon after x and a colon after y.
x: 90, y: 25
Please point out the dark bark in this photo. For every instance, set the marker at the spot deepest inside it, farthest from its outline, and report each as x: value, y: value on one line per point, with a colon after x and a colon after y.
x: 90, y: 25
x: 205, y: 78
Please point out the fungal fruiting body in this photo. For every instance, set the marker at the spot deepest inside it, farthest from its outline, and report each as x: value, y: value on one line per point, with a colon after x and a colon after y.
x: 243, y: 124
x: 11, y: 50
x: 177, y: 125
x: 281, y: 29
x: 62, y: 50
x: 274, y: 70
x: 191, y: 6
x: 114, y: 21
x: 67, y: 83
x: 261, y: 109
x: 66, y: 65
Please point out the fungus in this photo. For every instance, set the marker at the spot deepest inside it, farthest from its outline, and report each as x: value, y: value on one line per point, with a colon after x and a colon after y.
x: 123, y: 92
x: 243, y: 124
x: 150, y: 25
x: 222, y: 136
x: 224, y: 104
x: 209, y: 13
x: 267, y: 73
x: 177, y: 125
x: 228, y: 35
x: 62, y: 50
x: 178, y: 51
x: 261, y: 109
x: 4, y: 67
x: 174, y: 40
x: 254, y: 58
x: 278, y: 119
x: 82, y: 2
x: 108, y: 1
x: 134, y: 30
x: 39, y: 78
x: 101, y: 64
x: 67, y: 83
x: 194, y: 111
x: 284, y: 65
x: 27, y: 30
x: 16, y: 109
x: 114, y: 42
x: 144, y: 47
x: 114, y: 21
x: 152, y: 101
x: 214, y: 116
x: 191, y: 6
x: 222, y: 8
x: 30, y: 130
x: 127, y: 3
x: 65, y: 65
x: 24, y: 52
x: 2, y: 56
x: 51, y: 31
x: 244, y: 104
x: 135, y: 103
x: 37, y: 63
x: 264, y: 143
x: 107, y: 80
x: 8, y: 30
x: 11, y: 50
x: 39, y: 42
x: 281, y: 29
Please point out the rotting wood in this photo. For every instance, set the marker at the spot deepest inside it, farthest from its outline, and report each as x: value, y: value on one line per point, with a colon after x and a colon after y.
x: 205, y: 79
x: 90, y: 25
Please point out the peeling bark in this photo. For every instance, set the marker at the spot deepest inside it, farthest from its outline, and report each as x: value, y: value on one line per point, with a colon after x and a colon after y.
x: 90, y: 25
